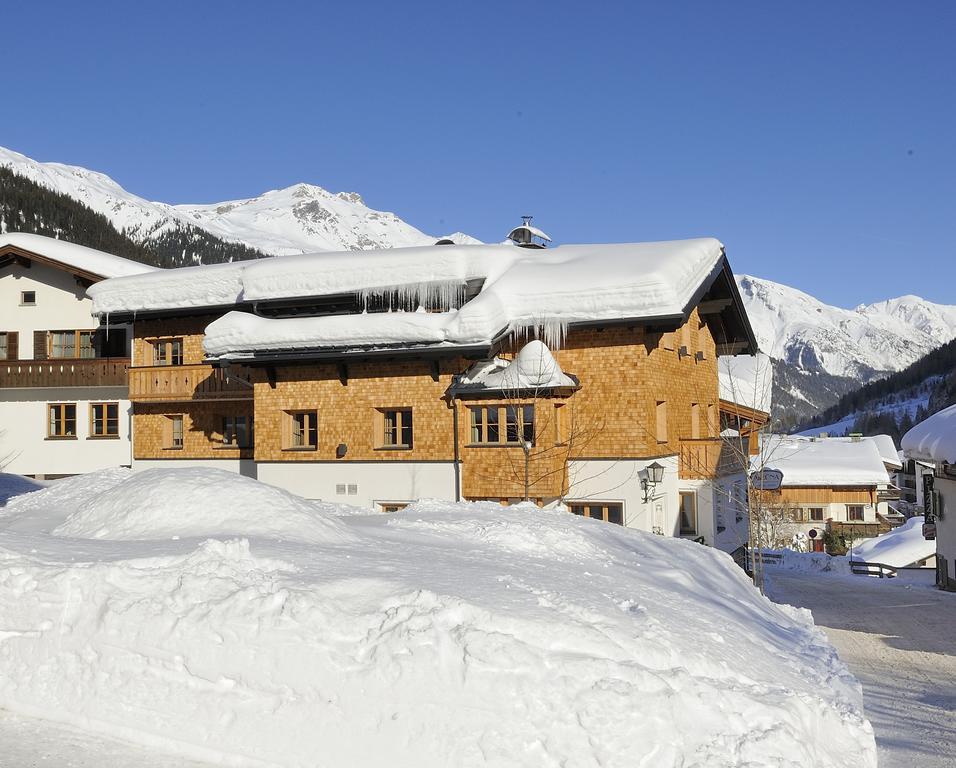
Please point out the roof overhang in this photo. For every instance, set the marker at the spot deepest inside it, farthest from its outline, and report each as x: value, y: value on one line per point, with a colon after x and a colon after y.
x: 13, y: 254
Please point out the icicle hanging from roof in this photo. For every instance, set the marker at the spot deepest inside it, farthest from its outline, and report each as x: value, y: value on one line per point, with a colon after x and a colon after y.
x: 551, y: 330
x: 441, y: 295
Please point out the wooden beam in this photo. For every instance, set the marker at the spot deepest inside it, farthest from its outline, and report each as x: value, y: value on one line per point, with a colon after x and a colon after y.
x: 271, y: 376
x: 732, y: 347
x: 344, y: 374
x: 436, y: 371
x: 713, y: 306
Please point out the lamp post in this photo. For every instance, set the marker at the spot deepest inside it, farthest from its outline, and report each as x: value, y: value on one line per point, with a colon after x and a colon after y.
x: 654, y: 476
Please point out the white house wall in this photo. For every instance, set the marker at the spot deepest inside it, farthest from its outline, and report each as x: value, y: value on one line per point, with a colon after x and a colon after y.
x: 620, y: 480
x: 25, y: 449
x: 366, y: 483
x: 946, y: 526
x: 61, y: 303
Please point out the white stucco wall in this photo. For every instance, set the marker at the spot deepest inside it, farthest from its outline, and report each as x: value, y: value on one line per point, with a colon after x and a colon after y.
x: 373, y: 481
x: 61, y: 303
x: 245, y: 467
x: 946, y: 526
x: 25, y: 449
x: 731, y: 512
x: 620, y: 480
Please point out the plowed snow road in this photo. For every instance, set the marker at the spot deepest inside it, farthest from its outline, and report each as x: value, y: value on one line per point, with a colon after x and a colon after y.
x: 900, y: 642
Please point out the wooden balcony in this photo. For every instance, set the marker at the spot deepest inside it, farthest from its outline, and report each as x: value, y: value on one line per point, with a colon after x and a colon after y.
x: 706, y: 458
x: 181, y: 383
x: 87, y: 372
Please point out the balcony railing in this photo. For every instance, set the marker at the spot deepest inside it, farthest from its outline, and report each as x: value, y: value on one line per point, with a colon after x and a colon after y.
x: 173, y: 383
x: 699, y: 458
x: 87, y: 372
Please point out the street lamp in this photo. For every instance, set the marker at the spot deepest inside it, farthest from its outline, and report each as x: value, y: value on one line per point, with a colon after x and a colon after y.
x: 654, y: 476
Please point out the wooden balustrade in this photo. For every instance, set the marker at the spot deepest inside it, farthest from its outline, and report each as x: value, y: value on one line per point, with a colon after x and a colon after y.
x: 177, y: 383
x: 86, y: 372
x: 705, y: 458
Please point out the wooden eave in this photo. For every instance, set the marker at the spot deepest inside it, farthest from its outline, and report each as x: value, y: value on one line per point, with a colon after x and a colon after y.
x: 10, y: 254
x: 759, y: 418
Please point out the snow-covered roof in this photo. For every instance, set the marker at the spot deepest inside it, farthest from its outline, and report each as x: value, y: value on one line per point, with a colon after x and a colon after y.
x: 823, y: 461
x: 899, y: 547
x: 747, y: 380
x: 933, y: 439
x: 534, y: 367
x: 76, y: 256
x: 241, y: 332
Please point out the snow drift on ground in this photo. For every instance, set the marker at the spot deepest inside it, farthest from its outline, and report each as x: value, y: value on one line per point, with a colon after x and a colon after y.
x: 159, y: 503
x: 900, y: 547
x: 15, y: 485
x: 445, y: 635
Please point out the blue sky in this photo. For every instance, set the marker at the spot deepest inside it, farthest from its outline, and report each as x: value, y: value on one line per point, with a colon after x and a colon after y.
x: 817, y: 140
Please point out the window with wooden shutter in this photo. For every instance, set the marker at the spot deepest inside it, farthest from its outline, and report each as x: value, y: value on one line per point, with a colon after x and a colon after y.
x: 39, y: 345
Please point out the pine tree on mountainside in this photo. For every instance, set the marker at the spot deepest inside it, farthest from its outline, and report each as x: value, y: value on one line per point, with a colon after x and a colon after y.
x: 26, y: 206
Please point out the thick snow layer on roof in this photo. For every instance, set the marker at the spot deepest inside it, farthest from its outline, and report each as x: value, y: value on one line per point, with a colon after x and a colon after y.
x: 211, y: 285
x: 448, y: 634
x: 933, y: 439
x: 77, y: 256
x: 899, y: 547
x: 240, y: 332
x: 747, y: 380
x: 523, y: 288
x: 534, y: 367
x: 808, y: 462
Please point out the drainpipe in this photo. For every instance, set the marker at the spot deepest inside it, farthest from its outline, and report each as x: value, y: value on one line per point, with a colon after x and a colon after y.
x: 454, y: 411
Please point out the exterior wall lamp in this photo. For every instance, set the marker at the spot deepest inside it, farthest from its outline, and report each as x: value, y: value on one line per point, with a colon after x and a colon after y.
x: 654, y: 476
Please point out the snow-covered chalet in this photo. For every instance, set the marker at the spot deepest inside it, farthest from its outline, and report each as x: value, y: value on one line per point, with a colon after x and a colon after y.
x: 934, y: 441
x: 63, y: 384
x: 581, y: 373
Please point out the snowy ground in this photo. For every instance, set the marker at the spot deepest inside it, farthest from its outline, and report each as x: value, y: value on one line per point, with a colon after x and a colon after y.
x: 205, y: 614
x: 900, y: 642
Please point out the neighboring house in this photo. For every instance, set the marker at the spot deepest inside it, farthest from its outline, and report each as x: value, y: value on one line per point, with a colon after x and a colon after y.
x: 934, y: 441
x: 841, y: 485
x: 63, y: 392
x: 379, y: 377
x: 745, y: 387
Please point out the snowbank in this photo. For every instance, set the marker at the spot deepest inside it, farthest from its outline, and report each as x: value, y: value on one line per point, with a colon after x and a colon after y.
x: 900, y: 547
x: 462, y: 635
x: 161, y: 503
x: 15, y: 485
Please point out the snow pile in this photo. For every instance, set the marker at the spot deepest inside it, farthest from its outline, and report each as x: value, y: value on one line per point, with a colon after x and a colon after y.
x: 15, y: 485
x: 933, y: 439
x: 806, y: 562
x: 533, y: 368
x: 50, y: 505
x: 160, y: 503
x: 77, y: 256
x: 899, y: 547
x: 747, y: 380
x: 823, y: 461
x: 446, y: 634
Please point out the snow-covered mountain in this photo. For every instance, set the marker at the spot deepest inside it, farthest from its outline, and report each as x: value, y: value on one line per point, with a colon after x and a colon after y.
x: 298, y: 219
x: 823, y: 351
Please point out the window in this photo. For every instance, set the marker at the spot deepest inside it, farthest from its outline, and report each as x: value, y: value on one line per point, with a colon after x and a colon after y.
x: 392, y: 506
x: 610, y: 512
x: 62, y: 421
x: 854, y: 513
x: 661, y: 413
x: 174, y: 432
x: 237, y: 431
x: 395, y: 428
x: 301, y: 431
x: 104, y: 419
x: 816, y: 514
x: 167, y: 352
x: 688, y: 513
x: 28, y: 298
x: 9, y: 345
x: 486, y: 421
x: 71, y: 344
